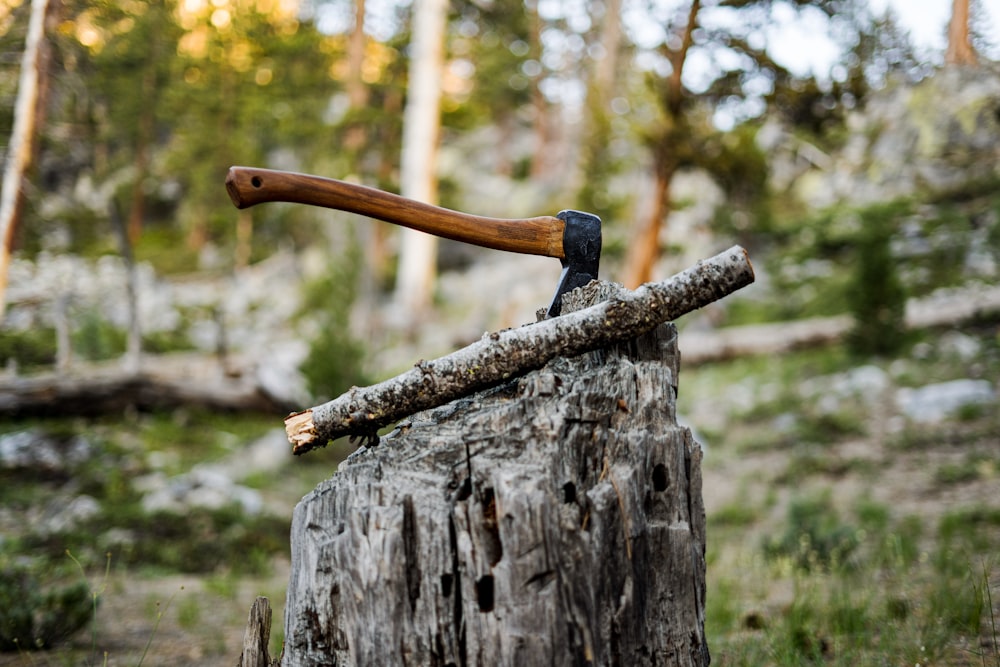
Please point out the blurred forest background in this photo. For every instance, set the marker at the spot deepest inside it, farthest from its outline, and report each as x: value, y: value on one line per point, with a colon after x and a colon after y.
x: 153, y: 336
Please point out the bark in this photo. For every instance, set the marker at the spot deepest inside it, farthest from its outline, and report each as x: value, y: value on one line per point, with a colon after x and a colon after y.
x: 557, y: 520
x: 145, y: 131
x: 418, y: 177
x: 244, y: 239
x: 504, y: 355
x: 606, y: 69
x: 357, y: 91
x: 960, y: 51
x: 20, y: 149
x: 64, y: 340
x: 143, y: 147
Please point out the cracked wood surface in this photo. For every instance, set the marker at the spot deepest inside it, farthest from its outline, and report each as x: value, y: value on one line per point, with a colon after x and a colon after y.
x: 501, y: 356
x: 554, y: 520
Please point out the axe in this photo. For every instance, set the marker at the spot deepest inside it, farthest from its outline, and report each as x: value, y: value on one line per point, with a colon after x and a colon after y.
x: 571, y: 236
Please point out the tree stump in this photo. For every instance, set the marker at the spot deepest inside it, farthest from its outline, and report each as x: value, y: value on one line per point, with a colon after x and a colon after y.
x: 554, y: 520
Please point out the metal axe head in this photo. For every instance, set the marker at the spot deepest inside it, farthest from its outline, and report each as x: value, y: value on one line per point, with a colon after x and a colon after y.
x: 581, y: 254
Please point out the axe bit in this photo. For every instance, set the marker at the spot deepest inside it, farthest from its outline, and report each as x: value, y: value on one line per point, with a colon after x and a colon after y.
x: 571, y: 236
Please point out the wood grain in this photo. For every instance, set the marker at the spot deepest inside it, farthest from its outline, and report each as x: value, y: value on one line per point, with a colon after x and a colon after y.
x: 248, y: 186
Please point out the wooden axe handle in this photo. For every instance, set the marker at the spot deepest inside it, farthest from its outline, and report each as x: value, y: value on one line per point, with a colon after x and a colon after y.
x: 248, y: 186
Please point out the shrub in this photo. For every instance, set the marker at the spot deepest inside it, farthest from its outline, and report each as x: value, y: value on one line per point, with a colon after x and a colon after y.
x: 31, y: 348
x: 37, y: 617
x: 335, y: 360
x: 814, y: 535
x: 875, y: 294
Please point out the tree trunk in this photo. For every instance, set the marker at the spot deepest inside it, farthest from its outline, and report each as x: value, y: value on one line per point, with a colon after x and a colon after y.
x: 594, y: 159
x: 960, y: 51
x: 145, y: 136
x: 357, y: 91
x: 133, y: 347
x: 644, y: 247
x: 541, y: 121
x: 554, y: 520
x: 504, y: 355
x: 20, y: 149
x: 418, y: 177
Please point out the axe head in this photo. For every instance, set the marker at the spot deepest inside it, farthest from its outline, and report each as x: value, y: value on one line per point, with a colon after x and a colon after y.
x: 582, y: 254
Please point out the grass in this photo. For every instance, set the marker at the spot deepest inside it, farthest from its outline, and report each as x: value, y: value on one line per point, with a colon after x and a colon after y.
x: 224, y: 547
x: 810, y: 559
x: 839, y: 590
x: 95, y: 594
x: 807, y: 562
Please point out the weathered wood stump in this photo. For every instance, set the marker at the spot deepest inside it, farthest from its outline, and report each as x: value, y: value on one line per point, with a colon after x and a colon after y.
x: 554, y: 520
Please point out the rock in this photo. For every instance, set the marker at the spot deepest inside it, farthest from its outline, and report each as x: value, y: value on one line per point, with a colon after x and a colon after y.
x: 63, y: 518
x: 935, y: 402
x: 785, y: 423
x: 267, y: 453
x: 35, y: 449
x: 866, y: 382
x: 206, y: 487
x: 961, y: 346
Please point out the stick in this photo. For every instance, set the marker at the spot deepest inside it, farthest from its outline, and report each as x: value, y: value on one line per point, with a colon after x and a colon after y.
x: 503, y: 355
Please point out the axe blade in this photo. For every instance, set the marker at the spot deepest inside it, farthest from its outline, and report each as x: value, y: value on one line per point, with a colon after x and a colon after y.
x: 582, y: 254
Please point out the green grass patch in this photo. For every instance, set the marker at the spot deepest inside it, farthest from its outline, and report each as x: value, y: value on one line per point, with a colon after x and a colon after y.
x: 189, y: 437
x: 736, y: 514
x: 815, y: 535
x: 881, y: 601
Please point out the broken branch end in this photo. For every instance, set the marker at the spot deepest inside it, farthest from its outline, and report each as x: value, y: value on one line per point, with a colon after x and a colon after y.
x: 301, y: 431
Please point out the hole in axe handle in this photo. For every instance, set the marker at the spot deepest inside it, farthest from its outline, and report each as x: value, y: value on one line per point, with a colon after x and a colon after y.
x: 256, y: 182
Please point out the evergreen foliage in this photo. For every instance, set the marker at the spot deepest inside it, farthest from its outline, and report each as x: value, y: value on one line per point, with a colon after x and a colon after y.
x: 876, y: 296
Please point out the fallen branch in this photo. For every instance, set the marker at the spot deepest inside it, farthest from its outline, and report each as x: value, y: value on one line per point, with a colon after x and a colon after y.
x: 501, y: 356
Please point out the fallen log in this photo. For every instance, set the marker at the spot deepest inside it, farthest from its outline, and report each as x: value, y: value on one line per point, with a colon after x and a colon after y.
x: 505, y: 355
x: 947, y: 308
x: 162, y: 383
